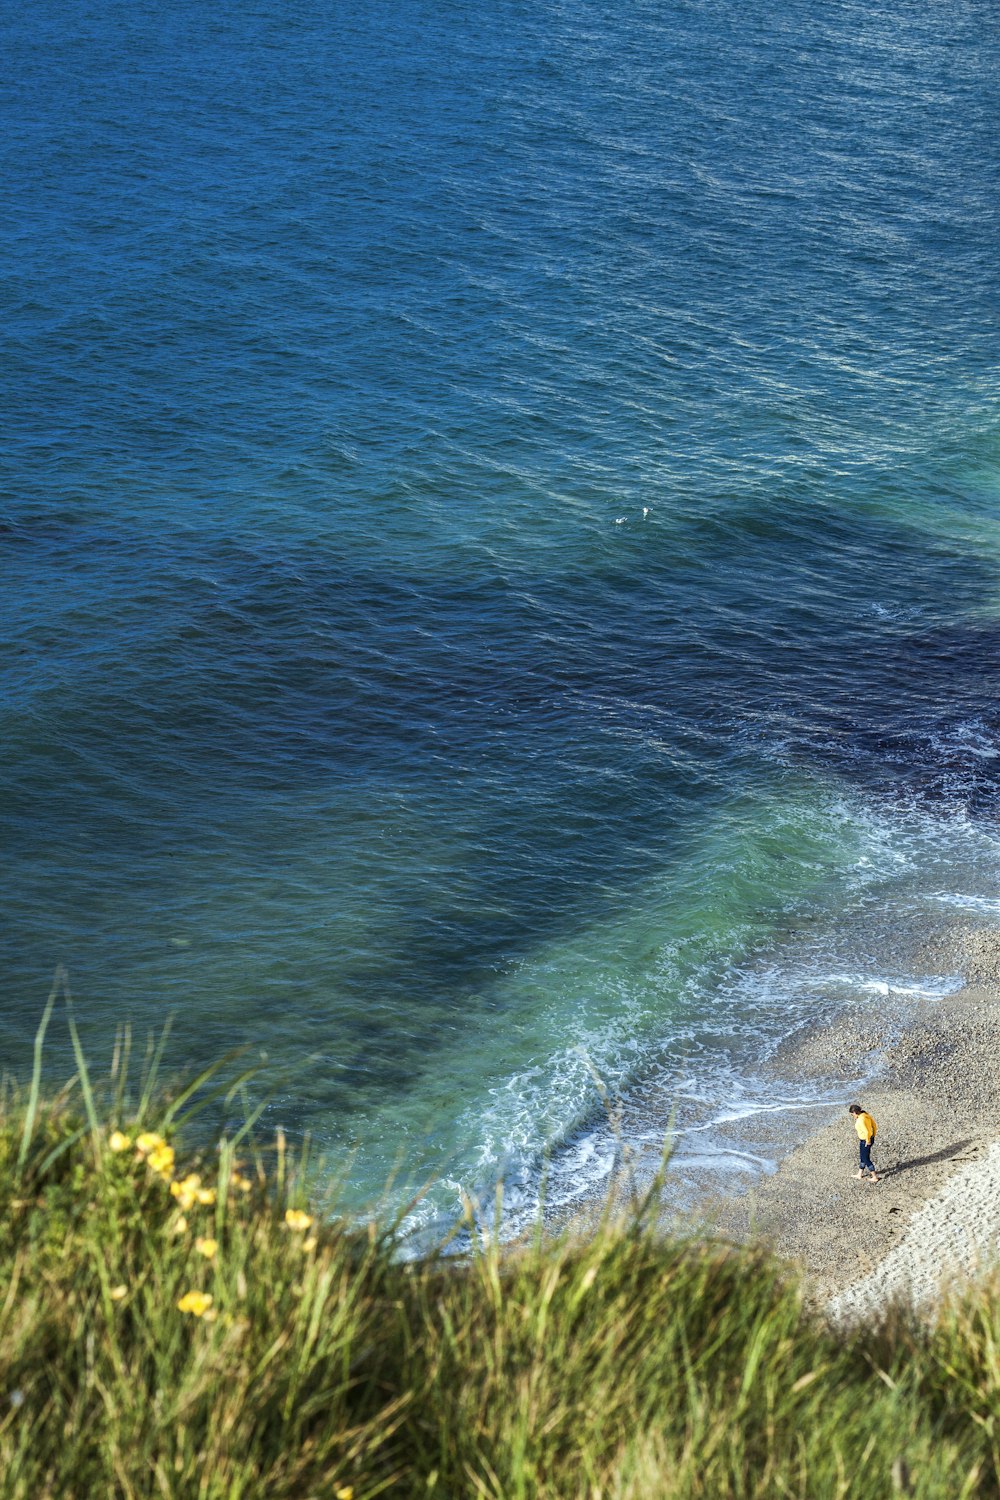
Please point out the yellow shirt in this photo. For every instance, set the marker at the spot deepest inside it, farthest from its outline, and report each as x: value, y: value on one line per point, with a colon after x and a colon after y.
x: 865, y: 1126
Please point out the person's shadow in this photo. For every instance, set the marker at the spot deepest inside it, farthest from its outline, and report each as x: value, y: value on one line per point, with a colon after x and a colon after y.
x: 947, y: 1153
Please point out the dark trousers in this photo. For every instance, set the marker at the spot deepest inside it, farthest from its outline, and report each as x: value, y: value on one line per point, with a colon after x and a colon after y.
x: 865, y: 1153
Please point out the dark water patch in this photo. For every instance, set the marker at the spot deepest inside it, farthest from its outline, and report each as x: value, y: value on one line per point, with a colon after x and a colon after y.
x: 927, y: 726
x: 255, y: 671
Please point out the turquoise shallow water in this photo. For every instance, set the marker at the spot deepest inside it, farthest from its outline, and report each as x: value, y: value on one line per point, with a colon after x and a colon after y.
x: 499, y: 544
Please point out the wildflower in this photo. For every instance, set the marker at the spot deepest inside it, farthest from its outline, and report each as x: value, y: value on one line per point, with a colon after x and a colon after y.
x: 118, y: 1142
x: 206, y: 1247
x: 148, y: 1142
x: 344, y: 1492
x: 297, y: 1220
x: 162, y: 1160
x: 118, y: 1292
x: 198, y: 1303
x: 206, y: 1195
x: 186, y: 1189
x: 179, y: 1225
x: 310, y: 1244
x: 240, y: 1183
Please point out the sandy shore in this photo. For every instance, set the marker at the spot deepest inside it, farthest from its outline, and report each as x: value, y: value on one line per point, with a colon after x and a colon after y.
x: 932, y: 1067
x: 934, y: 1218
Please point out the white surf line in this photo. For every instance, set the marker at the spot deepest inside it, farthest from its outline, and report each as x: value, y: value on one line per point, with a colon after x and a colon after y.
x: 954, y: 1236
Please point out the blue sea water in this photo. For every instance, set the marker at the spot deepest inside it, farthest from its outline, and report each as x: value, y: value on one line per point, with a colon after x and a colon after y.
x: 500, y: 520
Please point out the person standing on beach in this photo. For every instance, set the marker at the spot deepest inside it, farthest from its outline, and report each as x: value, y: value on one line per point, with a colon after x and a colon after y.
x: 865, y: 1125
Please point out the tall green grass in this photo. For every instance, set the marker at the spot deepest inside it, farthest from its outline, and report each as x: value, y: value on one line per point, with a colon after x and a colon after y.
x: 623, y: 1365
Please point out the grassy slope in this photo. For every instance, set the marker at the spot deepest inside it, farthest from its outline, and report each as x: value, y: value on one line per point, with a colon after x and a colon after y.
x: 624, y: 1366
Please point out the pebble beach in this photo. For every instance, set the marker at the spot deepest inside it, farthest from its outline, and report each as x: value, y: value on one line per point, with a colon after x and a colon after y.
x: 932, y: 1221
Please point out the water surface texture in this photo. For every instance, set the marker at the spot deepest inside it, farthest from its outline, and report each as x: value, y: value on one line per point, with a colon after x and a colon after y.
x: 501, y: 510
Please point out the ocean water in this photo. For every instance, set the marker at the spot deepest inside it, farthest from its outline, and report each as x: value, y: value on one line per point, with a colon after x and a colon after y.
x: 499, y: 542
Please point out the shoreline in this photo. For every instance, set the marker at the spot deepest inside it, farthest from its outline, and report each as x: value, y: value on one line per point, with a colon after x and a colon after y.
x: 933, y: 1085
x: 936, y: 1097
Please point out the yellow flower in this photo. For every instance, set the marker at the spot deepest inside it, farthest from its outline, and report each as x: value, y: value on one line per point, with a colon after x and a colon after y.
x: 297, y: 1220
x: 240, y: 1183
x: 206, y: 1195
x: 198, y: 1303
x: 161, y: 1160
x: 185, y: 1190
x: 119, y: 1142
x: 179, y: 1225
x: 310, y: 1244
x: 118, y: 1292
x: 345, y: 1492
x: 206, y: 1247
x: 149, y: 1141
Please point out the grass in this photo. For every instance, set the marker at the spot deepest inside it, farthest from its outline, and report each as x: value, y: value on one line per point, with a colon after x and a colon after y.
x: 161, y: 1336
